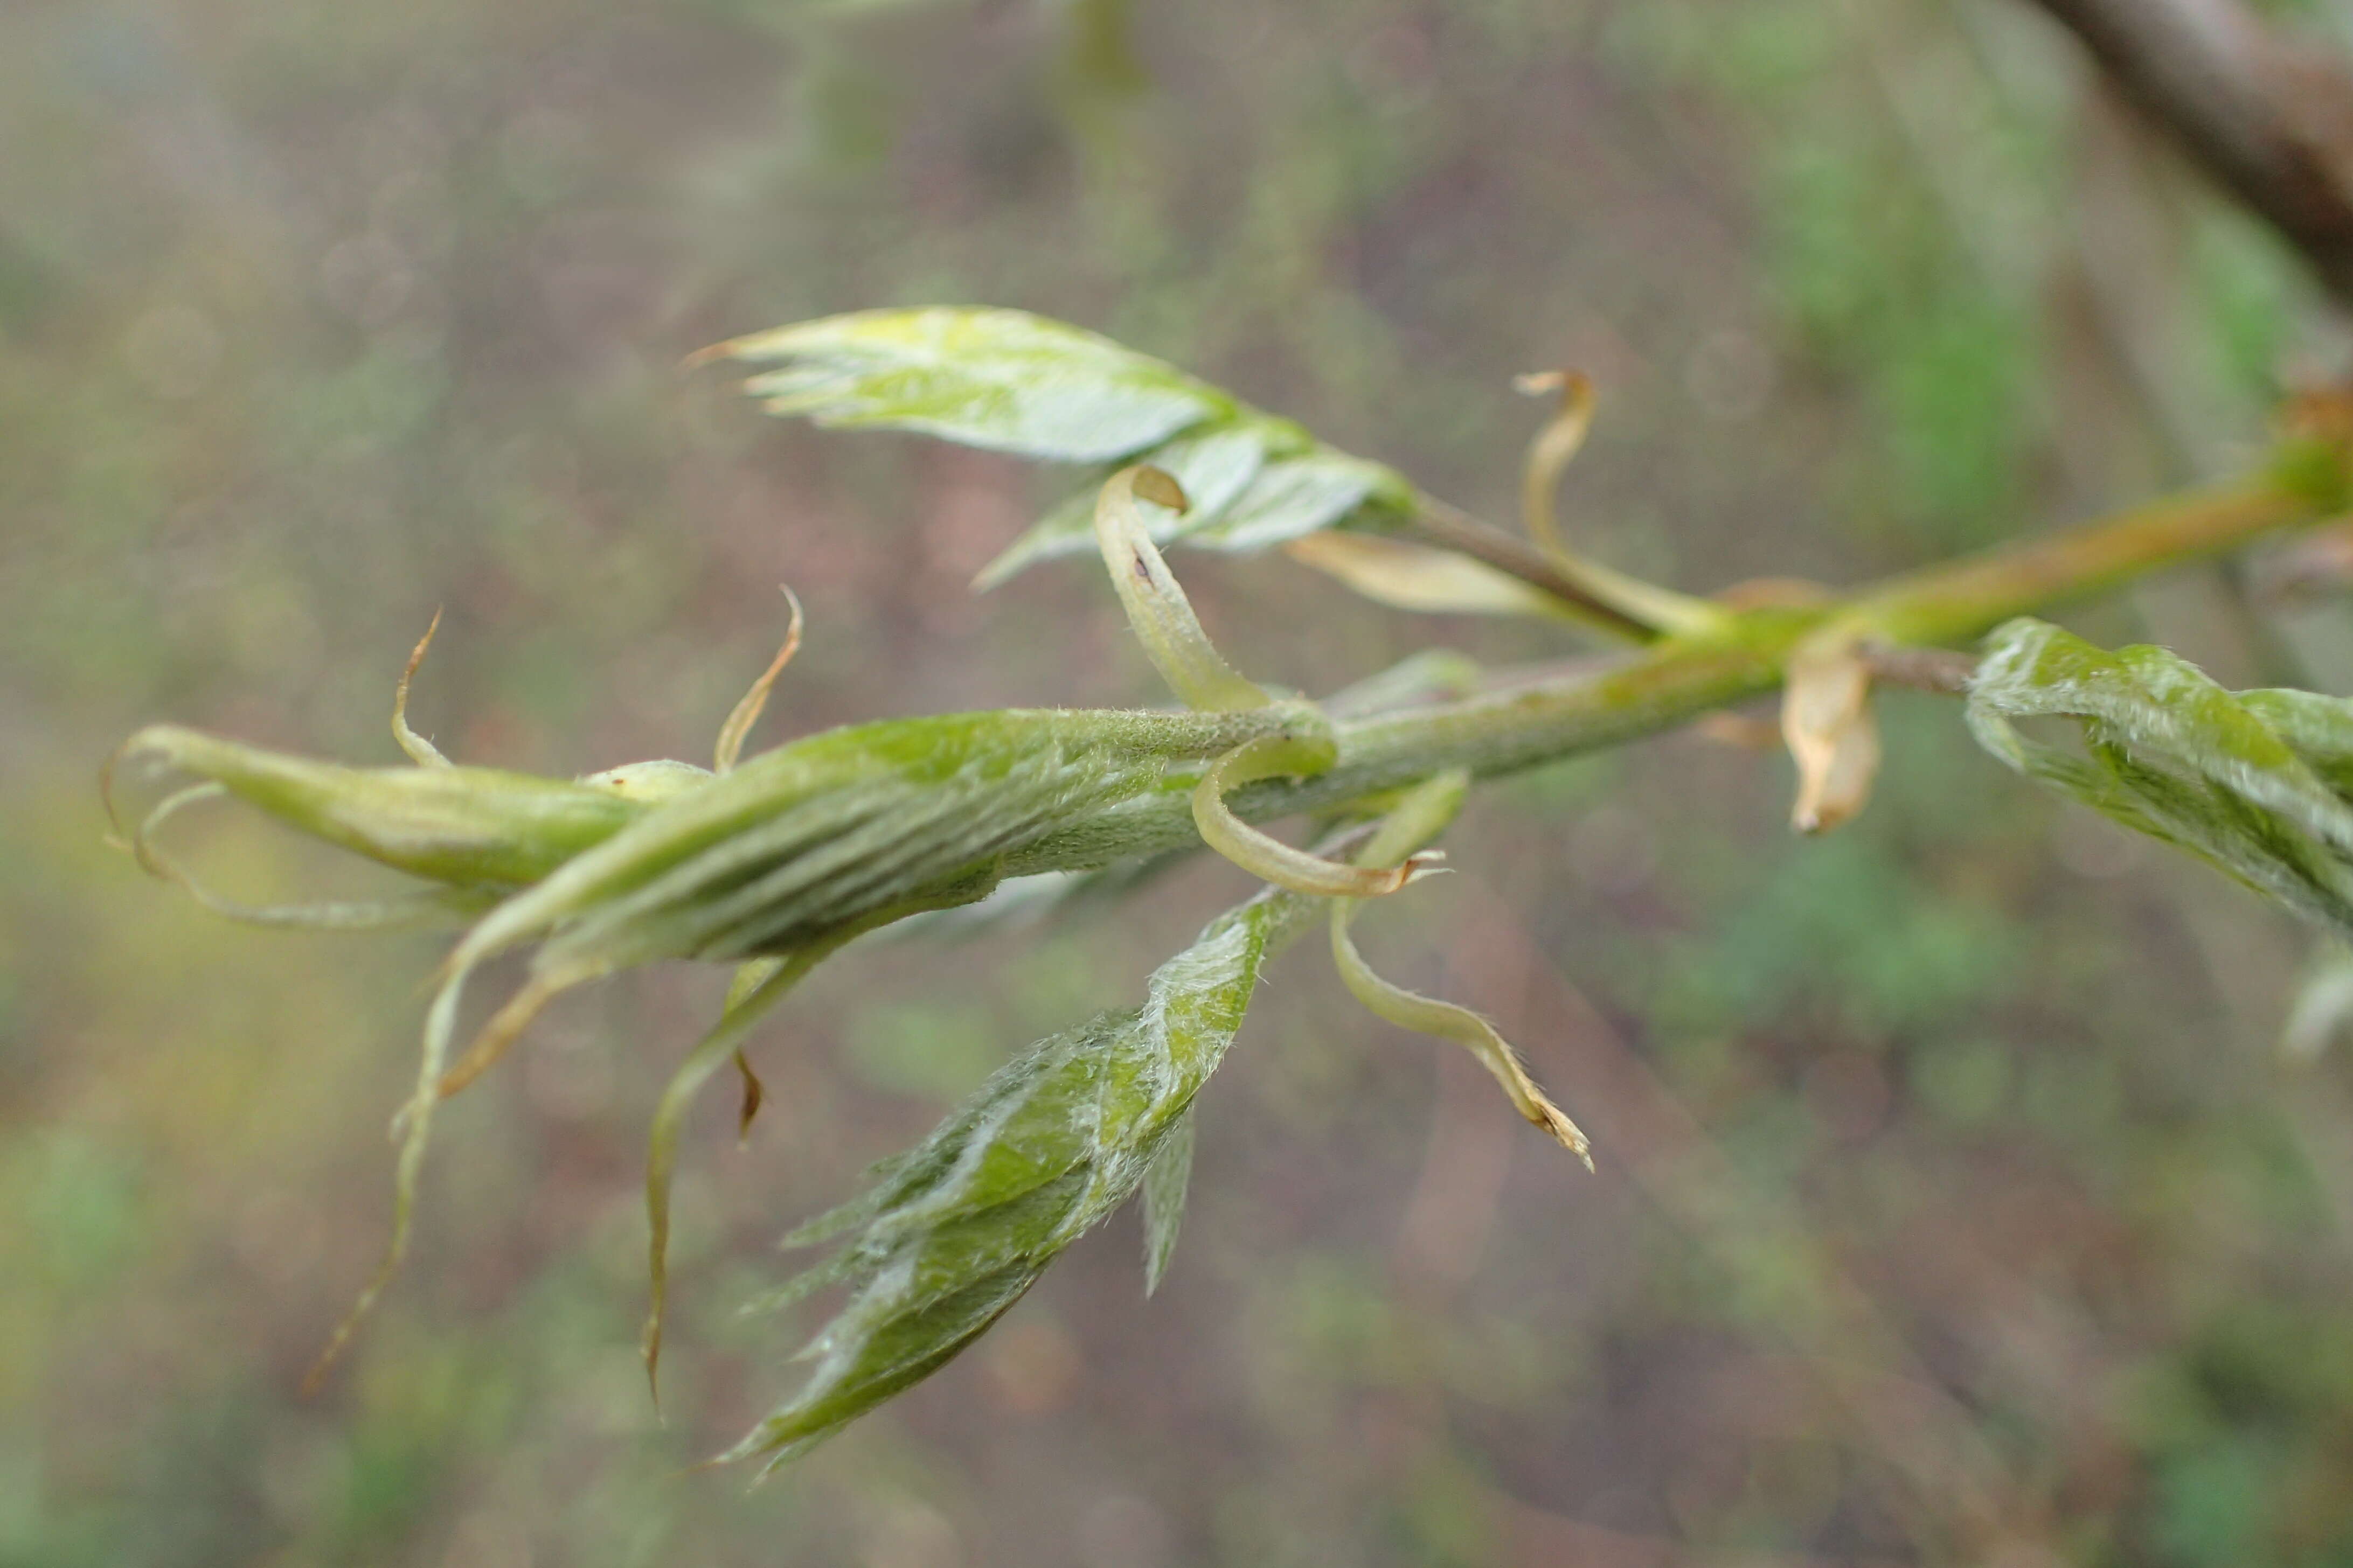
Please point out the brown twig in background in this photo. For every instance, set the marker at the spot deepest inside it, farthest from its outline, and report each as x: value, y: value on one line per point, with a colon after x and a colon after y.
x: 2271, y: 121
x: 1943, y: 669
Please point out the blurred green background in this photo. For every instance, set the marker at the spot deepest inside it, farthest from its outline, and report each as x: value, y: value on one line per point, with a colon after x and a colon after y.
x: 1948, y: 1171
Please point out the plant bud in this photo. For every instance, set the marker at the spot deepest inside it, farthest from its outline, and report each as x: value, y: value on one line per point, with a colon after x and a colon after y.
x: 462, y: 825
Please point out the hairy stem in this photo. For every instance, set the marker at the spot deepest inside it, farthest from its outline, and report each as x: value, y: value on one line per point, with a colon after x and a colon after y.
x: 1676, y: 680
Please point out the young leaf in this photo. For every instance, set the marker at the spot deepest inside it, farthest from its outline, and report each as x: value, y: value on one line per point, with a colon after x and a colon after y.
x: 2251, y: 783
x: 813, y: 837
x: 1012, y: 381
x: 465, y: 826
x: 1003, y: 380
x: 954, y: 1231
x: 784, y: 857
x: 1294, y: 496
x: 1212, y: 469
x: 1164, y: 1182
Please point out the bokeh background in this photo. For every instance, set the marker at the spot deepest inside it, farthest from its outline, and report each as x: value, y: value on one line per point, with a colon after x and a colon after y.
x: 1948, y: 1169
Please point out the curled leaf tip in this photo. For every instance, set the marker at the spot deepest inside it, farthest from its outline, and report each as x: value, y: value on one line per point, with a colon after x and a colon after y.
x: 440, y: 1024
x: 1155, y: 603
x: 1556, y: 1124
x: 421, y: 905
x: 758, y: 986
x: 710, y: 354
x: 1574, y: 384
x: 748, y: 710
x: 505, y: 1027
x: 1266, y: 857
x: 1551, y: 450
x: 1159, y: 487
x: 421, y: 752
x: 1420, y: 815
x: 1447, y: 1021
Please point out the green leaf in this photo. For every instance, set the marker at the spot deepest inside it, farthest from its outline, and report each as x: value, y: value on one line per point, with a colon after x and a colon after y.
x: 1003, y: 380
x: 467, y: 827
x: 1011, y: 382
x: 1163, y: 1200
x: 812, y: 838
x: 2252, y: 782
x: 953, y: 1233
x: 1293, y: 497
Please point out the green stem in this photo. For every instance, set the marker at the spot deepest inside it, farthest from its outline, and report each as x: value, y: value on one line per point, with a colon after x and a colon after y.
x: 1673, y: 681
x: 1960, y: 600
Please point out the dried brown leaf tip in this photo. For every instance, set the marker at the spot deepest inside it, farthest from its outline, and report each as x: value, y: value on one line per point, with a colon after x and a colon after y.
x: 1827, y: 725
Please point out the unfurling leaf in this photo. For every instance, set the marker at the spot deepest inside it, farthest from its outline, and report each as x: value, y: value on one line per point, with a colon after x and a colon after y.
x: 1827, y: 725
x: 783, y: 858
x: 957, y: 1228
x: 2255, y: 783
x: 1010, y: 381
x: 792, y: 854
